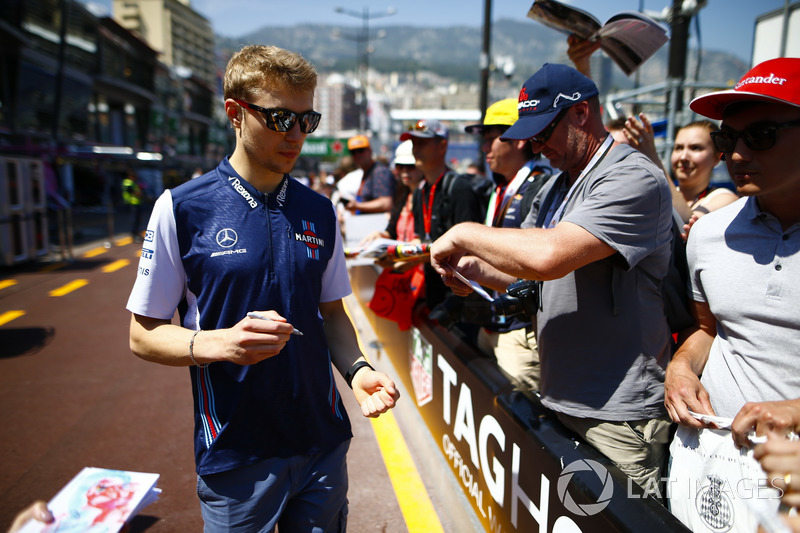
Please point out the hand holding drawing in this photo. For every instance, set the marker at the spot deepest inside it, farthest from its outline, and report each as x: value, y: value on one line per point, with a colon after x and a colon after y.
x: 36, y: 511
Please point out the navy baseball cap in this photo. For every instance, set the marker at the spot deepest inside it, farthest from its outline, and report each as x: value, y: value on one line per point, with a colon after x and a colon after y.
x: 553, y: 88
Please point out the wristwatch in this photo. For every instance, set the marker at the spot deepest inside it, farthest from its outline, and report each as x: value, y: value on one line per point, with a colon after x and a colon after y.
x: 348, y: 377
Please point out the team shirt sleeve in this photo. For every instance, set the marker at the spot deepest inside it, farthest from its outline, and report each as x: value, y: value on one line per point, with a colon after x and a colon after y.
x: 161, y: 280
x: 335, y: 281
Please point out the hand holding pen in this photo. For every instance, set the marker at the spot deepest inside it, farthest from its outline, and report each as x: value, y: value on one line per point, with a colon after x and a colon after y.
x: 258, y: 316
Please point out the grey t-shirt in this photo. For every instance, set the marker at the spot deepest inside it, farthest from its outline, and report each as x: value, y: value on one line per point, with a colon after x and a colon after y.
x: 747, y: 269
x: 603, y: 336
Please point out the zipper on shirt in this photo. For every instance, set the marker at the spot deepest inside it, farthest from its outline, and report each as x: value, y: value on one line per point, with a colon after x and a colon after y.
x: 269, y: 234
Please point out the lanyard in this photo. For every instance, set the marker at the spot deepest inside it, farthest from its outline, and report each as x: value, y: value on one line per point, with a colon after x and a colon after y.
x: 554, y: 215
x: 495, y: 203
x: 427, y: 209
x: 502, y: 196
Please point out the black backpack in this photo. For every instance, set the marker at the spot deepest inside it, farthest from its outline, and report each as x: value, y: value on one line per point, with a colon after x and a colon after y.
x: 481, y: 185
x: 675, y: 287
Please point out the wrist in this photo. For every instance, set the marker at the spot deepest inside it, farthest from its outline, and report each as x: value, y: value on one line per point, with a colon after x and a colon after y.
x: 191, y: 350
x: 357, y: 366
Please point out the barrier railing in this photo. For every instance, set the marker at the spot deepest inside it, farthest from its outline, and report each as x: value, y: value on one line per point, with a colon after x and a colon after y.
x: 519, y: 468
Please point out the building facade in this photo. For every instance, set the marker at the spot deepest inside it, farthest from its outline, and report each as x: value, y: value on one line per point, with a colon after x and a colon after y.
x: 83, y: 102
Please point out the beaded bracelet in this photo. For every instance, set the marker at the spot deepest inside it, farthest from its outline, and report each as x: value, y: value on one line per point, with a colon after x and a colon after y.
x: 191, y: 350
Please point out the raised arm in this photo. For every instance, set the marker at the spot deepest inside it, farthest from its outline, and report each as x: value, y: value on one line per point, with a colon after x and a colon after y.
x: 533, y: 253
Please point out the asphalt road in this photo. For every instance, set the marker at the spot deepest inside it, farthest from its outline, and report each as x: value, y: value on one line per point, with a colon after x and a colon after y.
x: 73, y: 395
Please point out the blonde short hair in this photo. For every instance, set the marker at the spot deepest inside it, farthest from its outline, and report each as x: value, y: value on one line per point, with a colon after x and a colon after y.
x: 256, y: 67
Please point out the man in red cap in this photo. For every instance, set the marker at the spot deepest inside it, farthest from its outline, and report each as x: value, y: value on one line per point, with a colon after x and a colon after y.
x: 745, y: 274
x: 377, y: 184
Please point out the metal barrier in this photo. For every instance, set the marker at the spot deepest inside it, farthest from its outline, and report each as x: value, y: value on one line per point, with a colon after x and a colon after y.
x: 519, y: 468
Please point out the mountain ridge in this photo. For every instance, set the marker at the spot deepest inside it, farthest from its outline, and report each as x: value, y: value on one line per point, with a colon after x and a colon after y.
x: 406, y: 48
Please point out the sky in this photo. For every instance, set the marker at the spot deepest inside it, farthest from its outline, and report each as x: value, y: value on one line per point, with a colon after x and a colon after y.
x: 724, y: 24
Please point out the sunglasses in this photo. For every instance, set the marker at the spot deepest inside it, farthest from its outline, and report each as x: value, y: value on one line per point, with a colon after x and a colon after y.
x: 282, y: 120
x: 756, y: 137
x: 420, y: 126
x: 545, y: 134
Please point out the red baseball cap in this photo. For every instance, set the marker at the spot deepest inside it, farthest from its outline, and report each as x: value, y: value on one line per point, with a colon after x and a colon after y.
x: 775, y: 80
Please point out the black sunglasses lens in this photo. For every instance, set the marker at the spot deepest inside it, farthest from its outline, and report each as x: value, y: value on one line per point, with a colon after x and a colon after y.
x: 760, y: 139
x: 723, y: 141
x: 309, y: 122
x: 282, y: 120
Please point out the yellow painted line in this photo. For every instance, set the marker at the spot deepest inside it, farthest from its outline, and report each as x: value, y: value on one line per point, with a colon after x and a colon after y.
x: 94, y: 252
x: 415, y: 504
x: 6, y: 283
x: 116, y: 265
x: 124, y: 241
x: 69, y: 287
x: 8, y: 316
x: 52, y: 266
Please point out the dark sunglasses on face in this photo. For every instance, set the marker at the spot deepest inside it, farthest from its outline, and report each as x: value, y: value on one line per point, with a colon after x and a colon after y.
x: 282, y: 120
x: 545, y: 134
x: 756, y: 137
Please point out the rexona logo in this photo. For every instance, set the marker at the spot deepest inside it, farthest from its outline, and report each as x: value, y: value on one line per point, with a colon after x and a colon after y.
x: 525, y: 103
x: 587, y: 509
x: 238, y: 187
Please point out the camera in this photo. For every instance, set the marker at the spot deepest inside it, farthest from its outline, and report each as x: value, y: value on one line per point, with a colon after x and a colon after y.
x: 520, y: 298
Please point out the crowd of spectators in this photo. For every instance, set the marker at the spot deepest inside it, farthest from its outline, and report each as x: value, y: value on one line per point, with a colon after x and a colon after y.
x: 596, y: 240
x: 590, y: 228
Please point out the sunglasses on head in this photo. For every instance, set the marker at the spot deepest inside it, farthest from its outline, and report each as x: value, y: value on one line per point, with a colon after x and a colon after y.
x: 545, y: 134
x: 757, y: 137
x: 420, y: 126
x: 282, y: 120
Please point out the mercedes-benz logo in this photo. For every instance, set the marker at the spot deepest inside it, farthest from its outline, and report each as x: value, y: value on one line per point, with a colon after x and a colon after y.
x: 227, y: 237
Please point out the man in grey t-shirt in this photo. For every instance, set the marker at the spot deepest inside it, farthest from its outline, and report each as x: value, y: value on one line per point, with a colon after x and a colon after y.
x: 601, y: 247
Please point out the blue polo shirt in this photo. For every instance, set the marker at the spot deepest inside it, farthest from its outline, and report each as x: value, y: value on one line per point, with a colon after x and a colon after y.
x: 216, y: 248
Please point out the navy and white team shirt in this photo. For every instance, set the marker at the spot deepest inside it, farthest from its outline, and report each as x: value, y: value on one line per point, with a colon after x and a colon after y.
x: 216, y: 248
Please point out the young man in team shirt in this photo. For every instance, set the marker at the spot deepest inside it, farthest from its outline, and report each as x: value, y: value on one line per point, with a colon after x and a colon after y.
x: 271, y: 432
